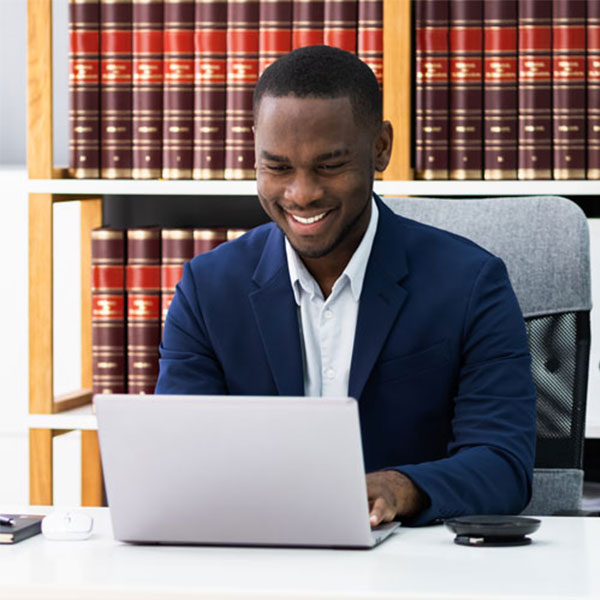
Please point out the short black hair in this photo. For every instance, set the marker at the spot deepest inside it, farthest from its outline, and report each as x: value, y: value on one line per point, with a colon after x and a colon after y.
x: 323, y: 72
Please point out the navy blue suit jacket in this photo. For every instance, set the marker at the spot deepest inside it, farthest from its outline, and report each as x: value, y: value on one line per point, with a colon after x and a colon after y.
x: 440, y: 364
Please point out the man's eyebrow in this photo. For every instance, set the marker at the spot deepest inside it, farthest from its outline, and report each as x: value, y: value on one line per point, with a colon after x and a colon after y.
x: 334, y: 154
x: 274, y: 157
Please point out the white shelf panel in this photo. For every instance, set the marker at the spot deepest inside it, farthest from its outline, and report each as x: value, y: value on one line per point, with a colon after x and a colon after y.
x: 248, y: 188
x: 81, y: 417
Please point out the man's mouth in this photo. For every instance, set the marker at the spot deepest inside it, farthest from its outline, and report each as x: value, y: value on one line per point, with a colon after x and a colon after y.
x: 308, y: 220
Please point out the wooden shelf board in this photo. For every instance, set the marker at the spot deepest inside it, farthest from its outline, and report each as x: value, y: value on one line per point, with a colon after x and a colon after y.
x: 99, y: 187
x: 81, y: 417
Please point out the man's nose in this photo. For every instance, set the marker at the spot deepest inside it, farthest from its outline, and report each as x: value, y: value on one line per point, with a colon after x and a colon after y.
x: 303, y: 189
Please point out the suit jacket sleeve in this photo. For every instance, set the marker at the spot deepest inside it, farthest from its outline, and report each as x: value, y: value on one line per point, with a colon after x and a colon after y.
x: 489, y: 463
x: 188, y: 364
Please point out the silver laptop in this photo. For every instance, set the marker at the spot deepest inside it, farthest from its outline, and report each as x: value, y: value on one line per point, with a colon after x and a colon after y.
x: 280, y: 471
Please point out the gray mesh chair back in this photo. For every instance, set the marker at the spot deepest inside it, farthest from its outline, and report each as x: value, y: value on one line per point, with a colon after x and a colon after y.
x: 544, y: 243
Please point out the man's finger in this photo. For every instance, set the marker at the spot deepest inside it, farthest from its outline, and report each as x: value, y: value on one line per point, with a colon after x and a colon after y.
x: 380, y: 511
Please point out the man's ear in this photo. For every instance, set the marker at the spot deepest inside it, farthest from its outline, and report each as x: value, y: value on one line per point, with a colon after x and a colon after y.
x: 382, y: 147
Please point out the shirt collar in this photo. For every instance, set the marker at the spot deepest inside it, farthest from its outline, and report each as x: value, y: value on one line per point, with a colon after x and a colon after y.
x: 355, y: 270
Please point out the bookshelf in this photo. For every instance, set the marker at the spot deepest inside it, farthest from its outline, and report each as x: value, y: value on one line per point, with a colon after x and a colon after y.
x: 48, y: 185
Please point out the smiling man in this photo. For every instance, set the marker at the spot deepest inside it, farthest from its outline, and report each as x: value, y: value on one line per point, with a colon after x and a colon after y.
x: 339, y: 296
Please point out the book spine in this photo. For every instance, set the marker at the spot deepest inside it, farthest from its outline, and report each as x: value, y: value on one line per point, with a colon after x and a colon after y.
x: 568, y: 88
x: 108, y: 311
x: 147, y: 88
x: 500, y: 89
x: 115, y: 89
x: 242, y: 75
x: 274, y: 31
x: 593, y: 89
x: 84, y: 95
x: 177, y: 247
x: 233, y: 234
x: 307, y: 23
x: 143, y: 309
x: 208, y: 239
x: 431, y: 98
x: 370, y: 36
x: 340, y: 23
x: 535, y: 90
x: 210, y: 53
x: 178, y: 91
x: 465, y: 105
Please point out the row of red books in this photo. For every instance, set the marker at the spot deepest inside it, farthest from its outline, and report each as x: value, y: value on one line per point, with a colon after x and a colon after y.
x: 163, y: 88
x: 134, y: 274
x: 507, y: 89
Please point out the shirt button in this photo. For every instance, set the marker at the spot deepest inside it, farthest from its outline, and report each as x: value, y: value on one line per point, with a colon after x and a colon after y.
x: 328, y: 314
x: 330, y: 374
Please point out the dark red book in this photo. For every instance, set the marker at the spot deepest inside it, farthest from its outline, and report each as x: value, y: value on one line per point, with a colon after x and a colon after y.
x: 568, y: 88
x: 307, y: 23
x: 207, y: 239
x: 108, y: 311
x: 466, y: 99
x: 115, y: 88
x: 84, y: 95
x: 500, y: 95
x: 177, y: 248
x: 147, y: 89
x: 242, y: 75
x: 210, y: 53
x: 535, y: 89
x: 340, y: 24
x: 593, y: 89
x: 178, y: 90
x: 431, y: 97
x: 370, y: 36
x: 274, y: 31
x: 143, y: 309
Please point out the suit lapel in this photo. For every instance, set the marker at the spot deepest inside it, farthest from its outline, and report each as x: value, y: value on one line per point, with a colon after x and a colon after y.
x: 275, y: 311
x: 381, y: 299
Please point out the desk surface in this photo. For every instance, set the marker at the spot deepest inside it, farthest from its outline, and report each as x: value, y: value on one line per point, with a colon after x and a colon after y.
x: 424, y: 563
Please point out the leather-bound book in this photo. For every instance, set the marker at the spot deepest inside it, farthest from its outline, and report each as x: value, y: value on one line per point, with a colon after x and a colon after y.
x: 593, y: 89
x: 466, y: 99
x: 147, y: 88
x: 431, y: 97
x: 568, y: 88
x: 177, y: 247
x: 178, y: 90
x: 274, y: 31
x: 535, y: 89
x: 207, y: 239
x: 84, y: 95
x: 307, y: 23
x: 233, y: 234
x: 370, y: 36
x: 143, y: 308
x: 115, y: 89
x: 108, y: 311
x: 500, y: 125
x: 340, y: 24
x: 210, y: 53
x: 242, y: 75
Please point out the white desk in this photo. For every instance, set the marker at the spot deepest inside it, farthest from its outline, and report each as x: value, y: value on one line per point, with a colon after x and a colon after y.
x: 562, y: 562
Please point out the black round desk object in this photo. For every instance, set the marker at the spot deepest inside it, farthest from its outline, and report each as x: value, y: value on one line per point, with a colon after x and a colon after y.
x: 492, y: 530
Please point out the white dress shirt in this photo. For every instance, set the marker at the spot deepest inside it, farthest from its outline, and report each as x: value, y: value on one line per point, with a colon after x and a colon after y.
x: 327, y: 327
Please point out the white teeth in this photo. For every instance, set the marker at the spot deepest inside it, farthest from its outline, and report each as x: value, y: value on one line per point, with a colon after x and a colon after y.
x: 309, y: 220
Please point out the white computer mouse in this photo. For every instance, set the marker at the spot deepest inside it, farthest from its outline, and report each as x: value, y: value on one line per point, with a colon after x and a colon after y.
x: 67, y: 525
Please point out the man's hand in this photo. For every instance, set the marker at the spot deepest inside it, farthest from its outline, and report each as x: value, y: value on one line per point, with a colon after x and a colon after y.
x: 393, y: 494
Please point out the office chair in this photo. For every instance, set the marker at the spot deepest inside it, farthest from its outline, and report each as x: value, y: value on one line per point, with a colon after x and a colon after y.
x: 544, y: 243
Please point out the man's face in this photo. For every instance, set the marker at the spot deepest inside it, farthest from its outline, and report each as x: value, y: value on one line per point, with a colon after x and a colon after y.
x: 314, y: 171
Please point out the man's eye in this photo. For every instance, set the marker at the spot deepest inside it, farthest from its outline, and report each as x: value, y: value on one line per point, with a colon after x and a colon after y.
x: 278, y: 168
x: 332, y: 166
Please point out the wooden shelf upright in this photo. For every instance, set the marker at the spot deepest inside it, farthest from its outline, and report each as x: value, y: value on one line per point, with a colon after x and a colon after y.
x: 40, y: 166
